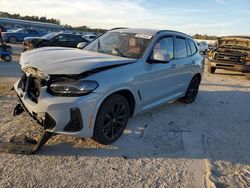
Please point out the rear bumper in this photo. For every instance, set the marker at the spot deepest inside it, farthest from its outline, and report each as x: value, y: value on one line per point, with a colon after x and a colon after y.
x: 230, y: 66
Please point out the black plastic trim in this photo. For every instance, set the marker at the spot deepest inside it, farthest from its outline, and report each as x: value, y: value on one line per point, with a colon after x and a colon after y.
x: 75, y: 123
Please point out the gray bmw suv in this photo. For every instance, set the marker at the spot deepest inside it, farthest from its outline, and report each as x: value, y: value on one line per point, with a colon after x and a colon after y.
x: 92, y: 92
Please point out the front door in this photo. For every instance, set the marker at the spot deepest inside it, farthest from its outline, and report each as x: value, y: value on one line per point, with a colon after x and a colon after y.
x: 157, y: 83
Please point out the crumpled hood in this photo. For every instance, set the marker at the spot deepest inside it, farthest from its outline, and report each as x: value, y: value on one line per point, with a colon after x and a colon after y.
x: 58, y: 60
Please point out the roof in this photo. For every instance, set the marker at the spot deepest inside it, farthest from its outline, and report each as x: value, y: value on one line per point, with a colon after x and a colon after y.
x: 151, y: 32
x: 136, y: 30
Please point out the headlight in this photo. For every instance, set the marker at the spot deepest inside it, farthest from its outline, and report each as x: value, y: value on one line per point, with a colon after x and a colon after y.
x: 71, y: 89
x: 247, y: 60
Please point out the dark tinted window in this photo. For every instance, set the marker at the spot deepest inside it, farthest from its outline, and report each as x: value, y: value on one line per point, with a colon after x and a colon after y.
x: 192, y: 46
x: 165, y: 46
x: 62, y: 38
x: 181, y: 48
x: 75, y: 38
x: 32, y: 31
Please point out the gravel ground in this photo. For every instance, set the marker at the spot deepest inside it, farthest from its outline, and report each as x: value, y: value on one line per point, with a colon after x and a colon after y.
x: 204, y: 144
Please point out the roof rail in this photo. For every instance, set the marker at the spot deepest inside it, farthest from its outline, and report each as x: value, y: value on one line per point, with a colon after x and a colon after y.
x: 173, y: 31
x: 118, y: 28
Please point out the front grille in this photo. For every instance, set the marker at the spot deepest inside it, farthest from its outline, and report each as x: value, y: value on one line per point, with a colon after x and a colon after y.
x: 230, y: 57
x: 227, y: 58
x: 32, y: 86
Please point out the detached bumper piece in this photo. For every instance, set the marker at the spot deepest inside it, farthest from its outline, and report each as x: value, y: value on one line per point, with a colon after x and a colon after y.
x: 24, y: 145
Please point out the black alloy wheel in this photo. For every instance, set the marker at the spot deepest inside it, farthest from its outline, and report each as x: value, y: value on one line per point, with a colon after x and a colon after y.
x: 111, y: 119
x: 192, y: 90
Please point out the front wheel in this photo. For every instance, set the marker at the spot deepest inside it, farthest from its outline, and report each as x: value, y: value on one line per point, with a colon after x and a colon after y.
x: 111, y: 120
x: 7, y: 58
x: 211, y: 70
x: 192, y: 90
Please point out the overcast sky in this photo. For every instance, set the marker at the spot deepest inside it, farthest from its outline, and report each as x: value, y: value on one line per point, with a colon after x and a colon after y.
x: 213, y: 17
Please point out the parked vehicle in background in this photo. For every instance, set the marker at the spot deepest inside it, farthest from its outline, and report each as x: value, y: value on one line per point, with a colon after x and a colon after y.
x: 3, y: 29
x: 90, y: 37
x: 232, y: 53
x: 5, y: 52
x: 18, y: 35
x: 92, y: 92
x: 203, y: 47
x: 53, y: 39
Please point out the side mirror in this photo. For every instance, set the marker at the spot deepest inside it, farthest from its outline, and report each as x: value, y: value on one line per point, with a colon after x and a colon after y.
x: 160, y: 57
x: 81, y: 45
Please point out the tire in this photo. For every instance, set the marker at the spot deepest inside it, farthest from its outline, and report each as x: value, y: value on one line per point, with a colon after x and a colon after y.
x: 211, y: 70
x: 247, y: 75
x: 192, y: 90
x: 7, y: 58
x: 111, y: 120
x: 12, y: 40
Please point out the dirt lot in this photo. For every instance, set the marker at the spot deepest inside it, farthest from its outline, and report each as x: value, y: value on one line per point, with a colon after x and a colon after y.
x: 204, y: 144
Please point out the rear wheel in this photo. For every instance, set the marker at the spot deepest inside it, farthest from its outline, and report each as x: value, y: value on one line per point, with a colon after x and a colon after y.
x: 210, y: 69
x: 192, y: 90
x: 7, y: 58
x: 12, y: 40
x: 111, y: 120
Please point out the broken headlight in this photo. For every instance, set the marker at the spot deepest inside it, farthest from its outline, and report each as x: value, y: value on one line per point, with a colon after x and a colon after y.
x: 73, y: 88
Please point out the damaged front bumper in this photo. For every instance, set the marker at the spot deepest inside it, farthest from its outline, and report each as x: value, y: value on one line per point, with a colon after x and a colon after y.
x: 57, y: 115
x: 62, y: 115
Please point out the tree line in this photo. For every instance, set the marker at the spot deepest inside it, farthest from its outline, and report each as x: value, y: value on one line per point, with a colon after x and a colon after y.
x: 30, y: 18
x: 204, y: 37
x: 50, y: 20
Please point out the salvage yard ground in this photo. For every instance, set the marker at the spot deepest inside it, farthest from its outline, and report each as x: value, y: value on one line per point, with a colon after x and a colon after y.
x: 204, y: 144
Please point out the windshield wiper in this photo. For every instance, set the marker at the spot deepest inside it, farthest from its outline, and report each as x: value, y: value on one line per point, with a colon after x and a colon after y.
x: 117, y: 50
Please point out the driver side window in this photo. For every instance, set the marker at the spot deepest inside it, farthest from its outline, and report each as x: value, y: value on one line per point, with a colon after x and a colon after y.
x: 61, y: 38
x: 165, y: 46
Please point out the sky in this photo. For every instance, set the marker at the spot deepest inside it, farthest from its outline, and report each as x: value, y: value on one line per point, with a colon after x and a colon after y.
x: 212, y: 17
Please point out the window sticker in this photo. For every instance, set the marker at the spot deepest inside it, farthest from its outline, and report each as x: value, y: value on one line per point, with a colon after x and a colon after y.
x: 143, y: 36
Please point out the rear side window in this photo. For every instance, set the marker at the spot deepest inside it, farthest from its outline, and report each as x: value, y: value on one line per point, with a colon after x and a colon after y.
x: 192, y: 46
x: 181, y: 48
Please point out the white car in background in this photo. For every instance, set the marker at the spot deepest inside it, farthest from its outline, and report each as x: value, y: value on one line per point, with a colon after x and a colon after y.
x: 203, y: 47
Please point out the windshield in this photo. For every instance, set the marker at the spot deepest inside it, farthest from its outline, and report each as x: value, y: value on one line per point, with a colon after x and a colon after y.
x: 130, y: 45
x: 49, y: 36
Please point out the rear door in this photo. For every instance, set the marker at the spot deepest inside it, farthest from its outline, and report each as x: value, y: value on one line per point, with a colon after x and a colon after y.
x: 183, y: 60
x: 60, y: 40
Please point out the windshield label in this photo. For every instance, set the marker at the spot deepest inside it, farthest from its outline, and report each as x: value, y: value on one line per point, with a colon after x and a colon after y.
x: 143, y: 36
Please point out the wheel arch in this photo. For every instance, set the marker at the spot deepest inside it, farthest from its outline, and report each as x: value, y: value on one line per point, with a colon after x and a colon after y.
x: 125, y: 92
